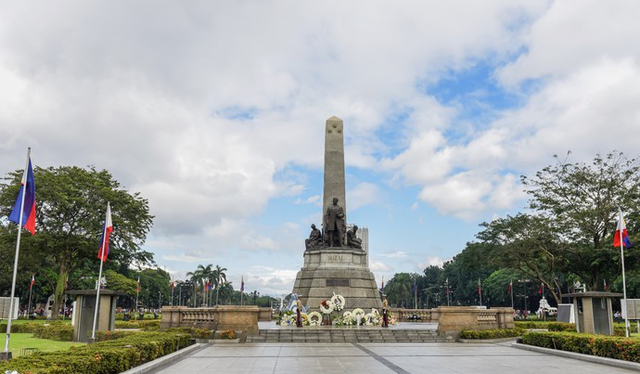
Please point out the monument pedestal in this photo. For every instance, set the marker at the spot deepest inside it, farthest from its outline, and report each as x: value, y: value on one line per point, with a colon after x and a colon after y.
x: 343, y: 271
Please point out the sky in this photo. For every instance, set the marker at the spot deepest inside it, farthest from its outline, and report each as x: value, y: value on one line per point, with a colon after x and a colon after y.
x: 215, y: 112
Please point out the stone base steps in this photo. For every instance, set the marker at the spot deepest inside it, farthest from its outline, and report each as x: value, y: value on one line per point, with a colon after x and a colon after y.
x: 345, y: 336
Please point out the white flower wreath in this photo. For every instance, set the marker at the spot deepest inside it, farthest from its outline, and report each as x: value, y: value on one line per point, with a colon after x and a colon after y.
x: 358, y: 313
x: 315, y: 319
x: 328, y: 309
x: 338, y: 302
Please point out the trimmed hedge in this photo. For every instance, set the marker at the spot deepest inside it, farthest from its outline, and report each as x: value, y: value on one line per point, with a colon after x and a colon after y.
x: 627, y: 349
x: 491, y: 334
x: 147, y: 325
x: 551, y: 326
x: 107, y: 357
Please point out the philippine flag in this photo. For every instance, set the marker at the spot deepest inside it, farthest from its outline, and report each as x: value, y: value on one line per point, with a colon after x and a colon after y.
x: 622, y: 228
x: 106, y: 231
x: 33, y: 281
x: 242, y: 284
x: 27, y: 187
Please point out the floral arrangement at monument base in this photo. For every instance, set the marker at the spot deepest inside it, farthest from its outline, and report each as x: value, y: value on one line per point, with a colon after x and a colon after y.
x: 338, y: 302
x: 327, y: 307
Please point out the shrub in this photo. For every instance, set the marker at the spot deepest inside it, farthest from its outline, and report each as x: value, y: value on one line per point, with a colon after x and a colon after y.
x: 194, y: 332
x: 491, y: 334
x: 107, y: 357
x: 228, y: 334
x: 146, y: 325
x: 551, y: 326
x: 627, y: 349
x: 561, y: 326
x: 59, y: 332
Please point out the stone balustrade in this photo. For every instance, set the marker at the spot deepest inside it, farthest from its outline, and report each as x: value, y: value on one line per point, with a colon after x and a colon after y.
x: 221, y: 317
x: 454, y: 319
x: 409, y: 315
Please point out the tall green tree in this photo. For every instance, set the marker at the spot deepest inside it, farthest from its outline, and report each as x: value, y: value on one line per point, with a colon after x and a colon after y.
x: 581, y: 200
x: 528, y: 244
x: 71, y: 204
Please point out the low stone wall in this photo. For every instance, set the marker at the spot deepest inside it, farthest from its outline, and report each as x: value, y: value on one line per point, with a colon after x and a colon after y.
x: 409, y: 315
x: 454, y: 319
x: 266, y: 314
x: 221, y: 317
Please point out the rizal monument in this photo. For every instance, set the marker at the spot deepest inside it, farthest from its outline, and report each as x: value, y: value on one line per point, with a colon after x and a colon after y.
x: 335, y: 259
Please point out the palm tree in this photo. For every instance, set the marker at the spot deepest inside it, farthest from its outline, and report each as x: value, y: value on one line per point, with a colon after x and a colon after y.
x: 194, y: 277
x: 206, y: 274
x: 399, y: 289
x: 218, y: 276
x: 226, y: 291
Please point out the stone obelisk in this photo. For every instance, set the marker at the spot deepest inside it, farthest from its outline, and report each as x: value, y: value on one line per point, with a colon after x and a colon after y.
x: 329, y: 269
x: 334, y: 181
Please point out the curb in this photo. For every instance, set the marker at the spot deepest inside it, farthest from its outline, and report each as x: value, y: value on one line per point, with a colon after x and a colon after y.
x: 497, y: 340
x: 580, y: 356
x: 147, y: 367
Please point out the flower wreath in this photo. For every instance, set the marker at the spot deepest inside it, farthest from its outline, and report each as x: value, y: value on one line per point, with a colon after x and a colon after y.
x: 315, y: 318
x: 338, y: 302
x: 358, y: 313
x: 326, y: 307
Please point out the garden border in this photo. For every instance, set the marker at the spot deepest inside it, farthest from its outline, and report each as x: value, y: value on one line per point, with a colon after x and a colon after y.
x: 580, y: 356
x: 160, y: 361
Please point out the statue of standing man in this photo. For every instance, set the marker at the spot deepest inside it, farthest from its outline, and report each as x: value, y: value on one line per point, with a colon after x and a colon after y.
x: 334, y: 225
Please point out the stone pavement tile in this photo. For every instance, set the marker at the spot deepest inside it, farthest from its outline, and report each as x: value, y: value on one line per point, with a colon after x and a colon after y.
x: 377, y: 358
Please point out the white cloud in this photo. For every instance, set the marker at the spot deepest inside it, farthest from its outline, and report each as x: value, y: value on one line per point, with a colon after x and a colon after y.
x: 363, y: 194
x: 431, y: 261
x: 270, y: 280
x: 377, y: 265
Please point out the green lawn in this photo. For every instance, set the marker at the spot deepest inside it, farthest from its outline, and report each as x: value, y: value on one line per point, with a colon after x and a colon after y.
x: 21, y: 321
x: 20, y: 341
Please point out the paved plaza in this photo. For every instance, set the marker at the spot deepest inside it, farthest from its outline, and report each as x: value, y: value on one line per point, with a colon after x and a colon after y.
x: 353, y: 358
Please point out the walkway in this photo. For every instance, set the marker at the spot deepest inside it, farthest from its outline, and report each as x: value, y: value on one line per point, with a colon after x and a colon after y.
x: 366, y: 358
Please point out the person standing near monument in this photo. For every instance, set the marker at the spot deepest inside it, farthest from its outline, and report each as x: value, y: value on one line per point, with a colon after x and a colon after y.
x: 385, y: 312
x: 299, y: 314
x: 334, y: 224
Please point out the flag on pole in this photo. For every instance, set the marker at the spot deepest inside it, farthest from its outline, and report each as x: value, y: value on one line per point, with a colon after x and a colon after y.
x: 382, y: 286
x: 541, y: 290
x: 479, y: 287
x: 172, y: 286
x: 621, y: 229
x: 27, y: 187
x: 606, y: 287
x: 33, y: 281
x: 242, y: 284
x: 138, y: 289
x: 415, y: 287
x: 106, y: 231
x: 509, y: 288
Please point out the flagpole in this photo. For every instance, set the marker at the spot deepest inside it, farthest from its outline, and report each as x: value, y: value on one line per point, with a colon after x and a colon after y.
x: 15, y: 261
x: 30, y: 289
x: 172, y: 287
x: 480, y: 291
x: 624, y: 282
x: 135, y: 314
x: 104, y: 244
x: 511, y: 289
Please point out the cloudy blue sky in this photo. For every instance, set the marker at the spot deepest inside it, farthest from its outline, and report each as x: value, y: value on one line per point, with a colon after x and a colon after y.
x: 215, y: 112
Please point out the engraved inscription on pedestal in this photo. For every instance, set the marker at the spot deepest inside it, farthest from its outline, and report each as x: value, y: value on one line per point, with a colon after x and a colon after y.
x: 336, y: 282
